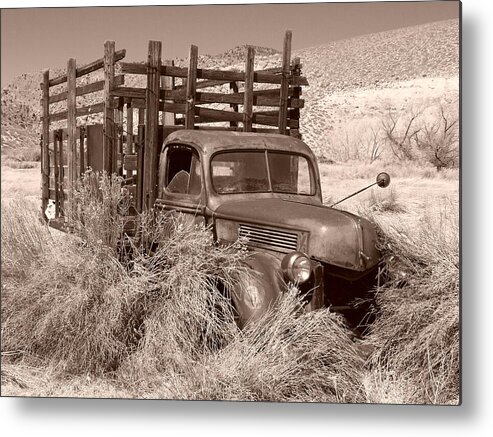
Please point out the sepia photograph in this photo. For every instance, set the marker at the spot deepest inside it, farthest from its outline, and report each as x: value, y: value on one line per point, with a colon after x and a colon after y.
x: 256, y: 202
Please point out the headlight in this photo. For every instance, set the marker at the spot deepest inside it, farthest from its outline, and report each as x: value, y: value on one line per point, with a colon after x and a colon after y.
x: 297, y: 267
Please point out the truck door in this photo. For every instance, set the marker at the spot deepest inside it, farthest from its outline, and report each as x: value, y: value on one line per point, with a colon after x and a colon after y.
x: 181, y: 184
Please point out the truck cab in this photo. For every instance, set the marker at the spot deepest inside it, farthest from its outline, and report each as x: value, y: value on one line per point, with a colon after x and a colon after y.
x: 265, y: 189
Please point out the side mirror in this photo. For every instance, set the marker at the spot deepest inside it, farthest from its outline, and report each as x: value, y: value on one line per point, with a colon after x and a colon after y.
x: 383, y: 180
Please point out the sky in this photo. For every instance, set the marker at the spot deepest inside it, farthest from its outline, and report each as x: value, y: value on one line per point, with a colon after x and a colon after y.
x: 36, y: 38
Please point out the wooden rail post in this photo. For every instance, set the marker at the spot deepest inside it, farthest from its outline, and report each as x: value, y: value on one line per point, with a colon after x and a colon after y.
x: 56, y: 172
x: 191, y: 87
x: 168, y: 84
x: 108, y: 121
x: 71, y: 129
x: 45, y: 157
x: 233, y: 86
x: 296, y: 94
x: 151, y: 150
x: 118, y: 155
x: 248, y: 97
x: 283, y: 99
x: 130, y: 133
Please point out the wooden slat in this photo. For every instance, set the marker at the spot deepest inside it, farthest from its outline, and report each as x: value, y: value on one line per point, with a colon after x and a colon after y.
x: 61, y: 173
x: 175, y: 108
x: 79, y: 112
x: 283, y: 98
x: 214, y: 83
x: 64, y: 133
x: 117, y: 164
x: 71, y: 126
x: 217, y: 115
x: 218, y: 75
x: 129, y: 92
x: 57, y: 176
x: 89, y: 68
x: 294, y: 114
x: 260, y: 98
x: 140, y: 166
x: 108, y: 120
x: 191, y: 80
x: 130, y: 163
x: 87, y: 89
x: 129, y: 140
x: 234, y: 86
x: 81, y: 134
x: 45, y: 157
x: 167, y: 85
x: 151, y: 127
x: 248, y: 100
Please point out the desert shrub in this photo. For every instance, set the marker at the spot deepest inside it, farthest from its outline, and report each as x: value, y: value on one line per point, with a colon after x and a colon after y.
x: 80, y: 310
x: 287, y: 355
x: 65, y: 311
x: 101, y: 208
x: 417, y: 332
x: 25, y: 239
x: 382, y: 202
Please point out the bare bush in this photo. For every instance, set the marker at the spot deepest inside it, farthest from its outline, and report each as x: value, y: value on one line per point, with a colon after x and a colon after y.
x: 401, y: 133
x: 439, y: 139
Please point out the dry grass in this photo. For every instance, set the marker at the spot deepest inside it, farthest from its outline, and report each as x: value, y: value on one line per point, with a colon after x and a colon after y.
x: 417, y: 332
x: 76, y: 321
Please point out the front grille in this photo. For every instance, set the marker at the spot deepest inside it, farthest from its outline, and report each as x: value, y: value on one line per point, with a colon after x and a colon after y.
x: 278, y: 240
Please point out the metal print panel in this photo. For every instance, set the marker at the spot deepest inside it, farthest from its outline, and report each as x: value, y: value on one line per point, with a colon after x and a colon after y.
x: 236, y: 203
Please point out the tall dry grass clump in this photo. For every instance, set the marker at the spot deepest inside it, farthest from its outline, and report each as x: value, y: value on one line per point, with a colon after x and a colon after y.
x: 287, y: 355
x: 25, y: 240
x: 101, y: 210
x: 417, y: 332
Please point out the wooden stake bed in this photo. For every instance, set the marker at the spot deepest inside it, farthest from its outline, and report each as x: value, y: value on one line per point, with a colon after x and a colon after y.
x: 135, y: 121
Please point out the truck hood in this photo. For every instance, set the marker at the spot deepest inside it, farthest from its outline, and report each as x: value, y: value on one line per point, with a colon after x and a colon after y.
x: 329, y: 235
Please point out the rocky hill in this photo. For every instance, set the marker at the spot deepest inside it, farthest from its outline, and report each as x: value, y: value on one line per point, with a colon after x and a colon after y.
x: 350, y: 80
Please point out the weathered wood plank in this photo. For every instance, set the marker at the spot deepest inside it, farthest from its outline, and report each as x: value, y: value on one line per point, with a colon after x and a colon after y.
x: 64, y: 133
x: 129, y: 92
x: 175, y: 108
x: 167, y: 85
x: 81, y: 134
x: 71, y: 126
x: 140, y: 166
x: 108, y: 120
x: 57, y: 175
x: 217, y: 75
x: 118, y: 150
x: 260, y: 98
x: 79, y: 112
x: 191, y: 82
x: 87, y: 89
x: 218, y: 115
x: 283, y: 98
x: 61, y: 173
x: 89, y: 68
x: 45, y: 157
x: 151, y: 150
x: 234, y: 87
x: 130, y: 163
x: 248, y: 100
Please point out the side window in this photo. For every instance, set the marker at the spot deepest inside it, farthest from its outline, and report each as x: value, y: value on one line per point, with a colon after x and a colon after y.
x: 183, y: 172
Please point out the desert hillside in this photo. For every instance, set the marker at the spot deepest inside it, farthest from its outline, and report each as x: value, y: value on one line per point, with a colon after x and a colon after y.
x: 353, y: 83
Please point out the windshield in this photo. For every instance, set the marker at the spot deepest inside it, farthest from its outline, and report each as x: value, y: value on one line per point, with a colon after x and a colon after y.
x: 262, y: 171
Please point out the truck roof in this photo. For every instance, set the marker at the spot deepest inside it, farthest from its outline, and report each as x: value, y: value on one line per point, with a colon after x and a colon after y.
x: 210, y: 142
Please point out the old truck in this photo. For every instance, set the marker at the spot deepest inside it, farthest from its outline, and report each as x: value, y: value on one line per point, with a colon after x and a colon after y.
x: 217, y: 166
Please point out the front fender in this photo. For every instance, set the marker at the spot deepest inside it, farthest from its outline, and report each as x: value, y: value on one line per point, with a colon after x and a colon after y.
x: 259, y: 291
